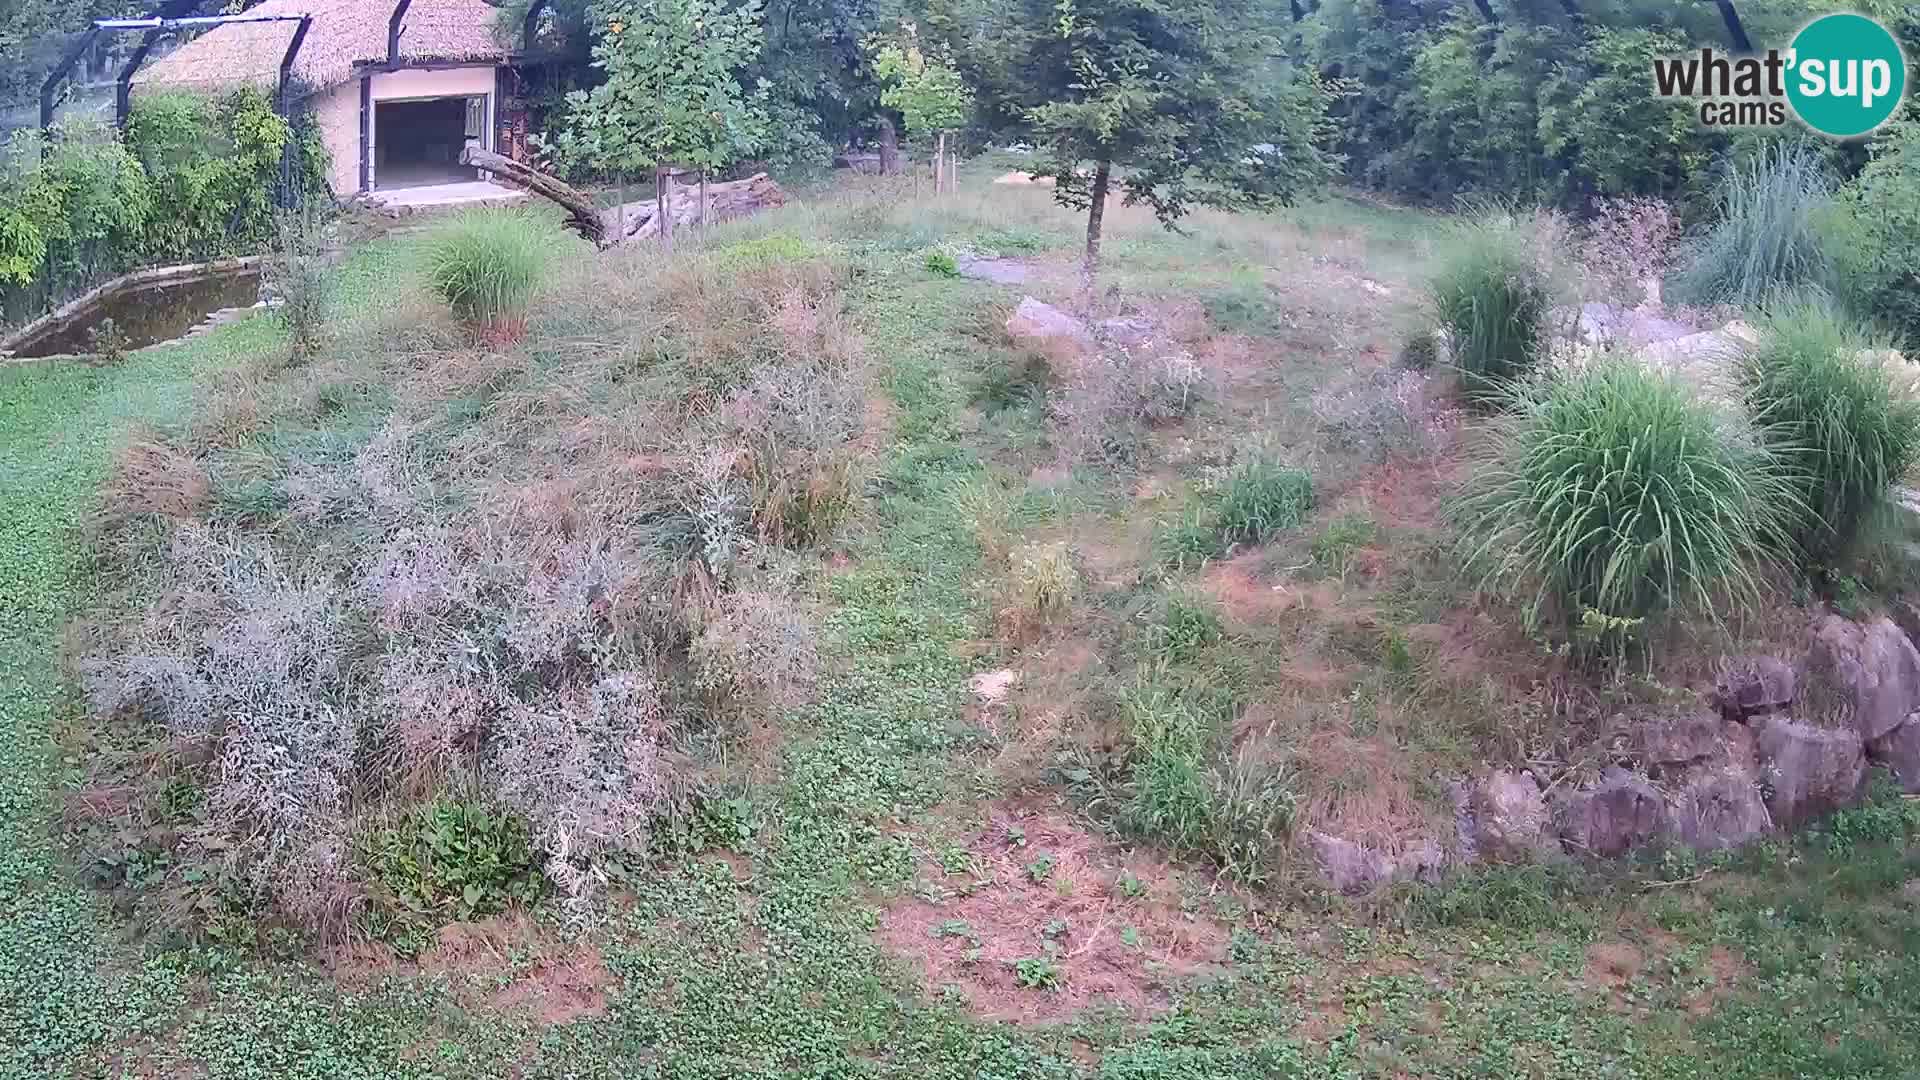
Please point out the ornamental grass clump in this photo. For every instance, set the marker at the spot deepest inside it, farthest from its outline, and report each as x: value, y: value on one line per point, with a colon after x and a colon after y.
x: 1824, y: 389
x: 486, y: 264
x: 1614, y: 495
x: 1493, y: 296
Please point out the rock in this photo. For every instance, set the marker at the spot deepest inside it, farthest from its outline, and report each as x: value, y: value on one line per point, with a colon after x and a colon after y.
x: 1899, y: 751
x: 998, y: 271
x: 1620, y: 813
x: 1750, y: 685
x: 991, y: 687
x: 1717, y: 807
x: 1354, y: 868
x: 1670, y: 743
x: 1873, y: 670
x: 1034, y: 322
x: 1906, y: 615
x: 1807, y: 771
x: 1509, y: 819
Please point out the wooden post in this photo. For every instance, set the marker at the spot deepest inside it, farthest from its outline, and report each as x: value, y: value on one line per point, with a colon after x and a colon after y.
x: 939, y: 162
x: 662, y: 177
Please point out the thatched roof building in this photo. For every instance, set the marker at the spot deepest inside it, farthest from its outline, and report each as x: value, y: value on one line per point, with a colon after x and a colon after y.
x: 345, y: 35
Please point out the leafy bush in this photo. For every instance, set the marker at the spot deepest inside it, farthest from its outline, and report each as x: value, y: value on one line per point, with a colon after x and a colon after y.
x: 941, y: 263
x: 448, y: 861
x: 1820, y: 387
x: 1614, y: 494
x: 1874, y: 237
x: 1492, y: 296
x: 214, y: 163
x: 486, y: 264
x: 1764, y: 241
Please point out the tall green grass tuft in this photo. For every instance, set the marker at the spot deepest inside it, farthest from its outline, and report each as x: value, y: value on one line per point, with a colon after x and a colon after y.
x: 1615, y: 495
x: 1765, y: 241
x: 1493, y: 296
x: 486, y: 264
x: 1819, y: 385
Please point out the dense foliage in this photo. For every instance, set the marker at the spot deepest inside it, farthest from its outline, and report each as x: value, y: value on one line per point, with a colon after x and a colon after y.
x: 190, y: 178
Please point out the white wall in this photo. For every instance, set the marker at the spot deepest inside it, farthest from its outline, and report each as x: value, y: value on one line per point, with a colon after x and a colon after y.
x: 433, y: 82
x: 337, y: 111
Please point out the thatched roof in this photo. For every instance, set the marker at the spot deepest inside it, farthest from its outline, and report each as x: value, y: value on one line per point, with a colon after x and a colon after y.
x: 345, y: 33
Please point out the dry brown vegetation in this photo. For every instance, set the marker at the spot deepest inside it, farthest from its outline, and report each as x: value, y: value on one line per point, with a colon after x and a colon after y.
x: 423, y: 569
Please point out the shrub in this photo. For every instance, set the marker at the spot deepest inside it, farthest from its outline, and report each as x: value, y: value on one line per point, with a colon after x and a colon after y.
x: 1820, y: 386
x: 1114, y: 397
x: 798, y: 426
x: 486, y: 263
x: 1615, y: 494
x: 1492, y: 296
x: 1388, y: 412
x: 298, y: 274
x: 1764, y: 241
x: 1187, y: 626
x: 1874, y: 237
x: 756, y: 651
x: 1627, y: 243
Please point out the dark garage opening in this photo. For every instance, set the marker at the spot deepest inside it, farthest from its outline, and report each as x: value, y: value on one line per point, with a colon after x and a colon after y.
x: 419, y: 142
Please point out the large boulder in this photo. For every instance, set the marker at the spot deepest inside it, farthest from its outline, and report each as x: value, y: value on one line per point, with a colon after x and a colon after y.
x: 1355, y: 868
x: 1750, y: 685
x: 1047, y: 327
x: 1717, y: 807
x: 1871, y: 670
x: 1670, y: 744
x: 1621, y: 812
x: 1808, y: 771
x: 1899, y: 751
x: 1509, y: 819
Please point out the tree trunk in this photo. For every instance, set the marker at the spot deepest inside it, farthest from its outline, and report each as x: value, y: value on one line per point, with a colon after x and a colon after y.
x: 615, y: 226
x: 1486, y: 12
x: 940, y: 163
x: 703, y: 206
x: 889, y: 148
x: 1096, y: 216
x: 1741, y: 43
x: 663, y: 193
x: 1298, y: 14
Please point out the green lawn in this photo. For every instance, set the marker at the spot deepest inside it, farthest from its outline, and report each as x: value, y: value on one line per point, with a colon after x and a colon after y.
x: 749, y: 947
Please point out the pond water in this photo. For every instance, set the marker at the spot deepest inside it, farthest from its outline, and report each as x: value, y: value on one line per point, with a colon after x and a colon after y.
x: 150, y: 314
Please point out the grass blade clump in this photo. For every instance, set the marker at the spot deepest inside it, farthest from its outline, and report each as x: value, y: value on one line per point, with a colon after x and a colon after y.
x: 1617, y: 495
x: 1493, y: 296
x: 486, y: 263
x: 1764, y: 242
x: 1822, y: 387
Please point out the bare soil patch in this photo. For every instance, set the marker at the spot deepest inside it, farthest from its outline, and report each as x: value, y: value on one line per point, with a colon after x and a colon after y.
x: 554, y: 982
x: 1041, y: 889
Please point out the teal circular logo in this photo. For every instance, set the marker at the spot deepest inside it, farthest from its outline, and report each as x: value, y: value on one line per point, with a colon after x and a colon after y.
x: 1846, y: 75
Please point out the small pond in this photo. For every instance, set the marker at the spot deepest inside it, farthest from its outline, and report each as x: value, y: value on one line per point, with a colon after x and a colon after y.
x: 149, y: 314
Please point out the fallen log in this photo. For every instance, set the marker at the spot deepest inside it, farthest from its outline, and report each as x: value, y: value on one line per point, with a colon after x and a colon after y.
x: 612, y: 226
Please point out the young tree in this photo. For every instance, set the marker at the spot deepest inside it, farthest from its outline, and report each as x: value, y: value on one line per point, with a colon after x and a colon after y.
x: 671, y: 95
x: 1180, y: 105
x: 928, y: 93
